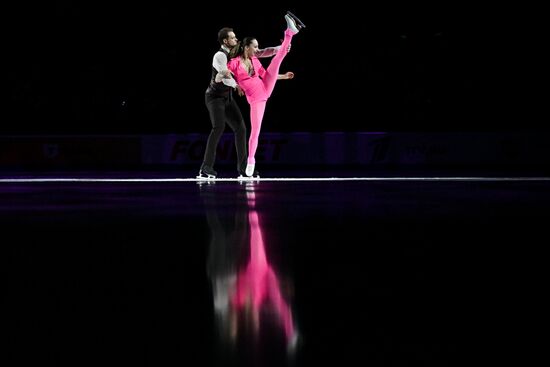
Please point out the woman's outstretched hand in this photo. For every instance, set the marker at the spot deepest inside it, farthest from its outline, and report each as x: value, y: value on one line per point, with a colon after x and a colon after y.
x: 289, y: 75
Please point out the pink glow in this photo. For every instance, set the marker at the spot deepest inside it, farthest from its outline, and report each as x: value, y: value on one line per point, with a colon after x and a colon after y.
x: 257, y: 283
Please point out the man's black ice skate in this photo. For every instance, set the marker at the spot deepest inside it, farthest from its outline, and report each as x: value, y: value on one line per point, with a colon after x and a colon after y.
x: 207, y: 173
x: 298, y: 22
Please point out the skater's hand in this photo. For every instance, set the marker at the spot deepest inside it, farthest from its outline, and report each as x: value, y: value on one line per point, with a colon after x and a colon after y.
x: 227, y: 74
x: 289, y: 75
x: 289, y: 46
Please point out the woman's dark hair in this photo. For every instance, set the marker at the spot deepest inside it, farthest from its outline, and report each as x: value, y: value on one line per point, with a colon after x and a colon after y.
x: 239, y: 49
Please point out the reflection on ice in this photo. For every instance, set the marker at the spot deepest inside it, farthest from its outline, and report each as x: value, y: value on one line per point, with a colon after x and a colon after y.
x: 250, y: 303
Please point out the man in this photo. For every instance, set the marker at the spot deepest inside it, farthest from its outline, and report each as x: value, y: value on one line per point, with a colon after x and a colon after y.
x: 223, y: 108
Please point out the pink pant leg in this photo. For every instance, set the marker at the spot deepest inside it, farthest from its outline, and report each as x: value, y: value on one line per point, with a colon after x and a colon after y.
x: 257, y: 110
x: 272, y: 70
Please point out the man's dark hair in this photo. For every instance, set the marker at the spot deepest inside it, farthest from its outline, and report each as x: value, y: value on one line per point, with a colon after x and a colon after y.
x: 223, y: 34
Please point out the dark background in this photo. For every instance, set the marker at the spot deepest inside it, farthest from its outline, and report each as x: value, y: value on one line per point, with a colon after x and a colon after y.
x: 395, y: 273
x: 137, y: 68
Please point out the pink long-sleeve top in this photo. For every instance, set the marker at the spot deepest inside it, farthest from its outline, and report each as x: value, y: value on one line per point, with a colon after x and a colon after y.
x: 252, y: 85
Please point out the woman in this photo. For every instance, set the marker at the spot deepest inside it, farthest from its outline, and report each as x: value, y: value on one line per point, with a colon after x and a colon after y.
x: 257, y: 83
